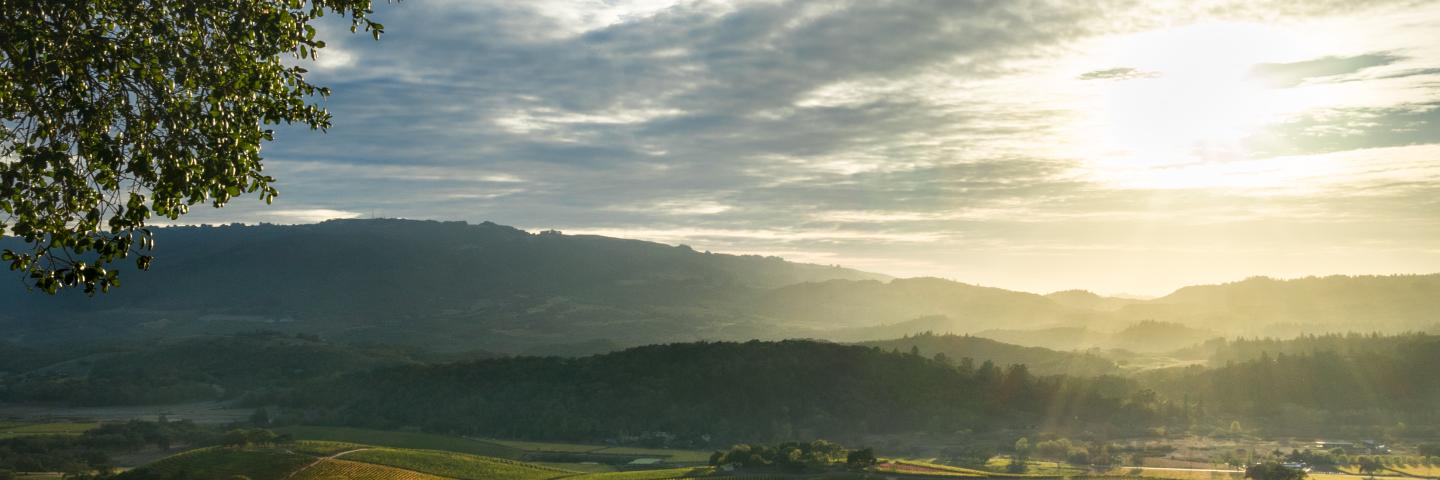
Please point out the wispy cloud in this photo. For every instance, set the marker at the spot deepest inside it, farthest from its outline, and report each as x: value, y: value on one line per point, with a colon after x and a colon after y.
x: 1295, y: 73
x: 1118, y: 73
x: 918, y: 137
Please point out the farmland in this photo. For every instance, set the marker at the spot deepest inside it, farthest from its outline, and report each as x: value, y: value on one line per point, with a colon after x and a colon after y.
x: 218, y: 462
x: 18, y: 429
x: 327, y: 459
x: 333, y: 469
x: 512, y: 449
x: 457, y: 465
x: 412, y: 440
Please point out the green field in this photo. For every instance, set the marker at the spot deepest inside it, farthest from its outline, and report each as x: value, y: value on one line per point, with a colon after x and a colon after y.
x: 336, y: 469
x: 329, y: 459
x: 385, y: 438
x: 666, y: 474
x: 672, y: 455
x: 321, y: 448
x: 512, y: 449
x: 222, y: 462
x: 457, y: 465
x: 17, y: 429
x: 1038, y: 467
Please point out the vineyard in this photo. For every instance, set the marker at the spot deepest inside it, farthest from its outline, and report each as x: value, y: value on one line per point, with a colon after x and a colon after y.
x: 393, y: 439
x: 332, y: 459
x: 322, y: 460
x: 457, y: 465
x: 221, y: 462
x: 336, y: 469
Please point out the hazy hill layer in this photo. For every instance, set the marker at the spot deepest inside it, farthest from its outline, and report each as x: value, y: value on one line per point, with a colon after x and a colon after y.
x: 1313, y: 304
x: 444, y: 284
x: 852, y: 303
x: 454, y: 286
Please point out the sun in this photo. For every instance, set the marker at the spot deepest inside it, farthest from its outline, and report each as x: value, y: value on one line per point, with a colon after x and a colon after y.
x: 1188, y: 98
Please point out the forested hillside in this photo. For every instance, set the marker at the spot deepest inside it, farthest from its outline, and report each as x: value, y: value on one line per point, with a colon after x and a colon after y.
x: 775, y: 390
x: 175, y: 371
x: 1266, y: 306
x: 967, y: 350
x: 1317, y: 384
x: 720, y: 391
x: 446, y: 285
x: 458, y: 287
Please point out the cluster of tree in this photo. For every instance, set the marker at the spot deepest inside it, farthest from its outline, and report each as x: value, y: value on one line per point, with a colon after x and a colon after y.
x: 246, y: 437
x: 90, y: 451
x: 815, y: 456
x: 193, y: 370
x: 973, y: 454
x: 1093, y: 452
x: 724, y: 391
x: 1221, y: 352
x: 1369, y: 392
x: 1273, y: 471
x: 963, y: 349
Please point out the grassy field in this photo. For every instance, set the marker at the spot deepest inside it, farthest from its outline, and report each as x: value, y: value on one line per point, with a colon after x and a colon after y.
x: 512, y: 449
x: 914, y: 467
x: 322, y: 448
x: 547, y: 447
x: 458, y: 465
x: 422, y: 441
x: 666, y: 474
x: 1178, y: 474
x: 337, y: 469
x: 221, y: 462
x: 590, y: 467
x: 672, y: 455
x: 19, y: 429
x: 1038, y: 467
x: 1421, y: 470
x: 316, y: 460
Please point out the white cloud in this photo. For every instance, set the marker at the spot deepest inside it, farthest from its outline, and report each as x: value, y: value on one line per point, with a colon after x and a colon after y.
x: 311, y: 215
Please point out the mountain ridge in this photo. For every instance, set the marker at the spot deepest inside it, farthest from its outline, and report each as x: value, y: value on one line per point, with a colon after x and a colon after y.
x: 456, y: 286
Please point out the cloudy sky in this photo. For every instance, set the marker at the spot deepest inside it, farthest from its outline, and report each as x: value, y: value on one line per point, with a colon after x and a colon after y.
x: 1116, y: 146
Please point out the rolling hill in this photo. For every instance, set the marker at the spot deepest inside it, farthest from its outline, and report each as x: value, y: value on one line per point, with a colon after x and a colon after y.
x: 1267, y: 306
x: 1041, y: 361
x: 452, y: 286
x: 447, y: 285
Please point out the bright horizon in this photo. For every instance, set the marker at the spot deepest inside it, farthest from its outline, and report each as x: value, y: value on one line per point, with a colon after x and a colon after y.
x: 1029, y: 147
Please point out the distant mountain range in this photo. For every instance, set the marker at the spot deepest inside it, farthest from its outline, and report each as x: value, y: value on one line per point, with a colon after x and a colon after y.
x: 455, y: 287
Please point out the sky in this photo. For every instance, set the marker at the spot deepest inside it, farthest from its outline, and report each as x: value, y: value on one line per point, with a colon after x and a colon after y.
x: 1115, y: 146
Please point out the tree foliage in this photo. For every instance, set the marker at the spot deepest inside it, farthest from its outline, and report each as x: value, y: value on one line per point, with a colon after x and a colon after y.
x: 116, y: 111
x: 1273, y: 471
x: 792, y: 456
